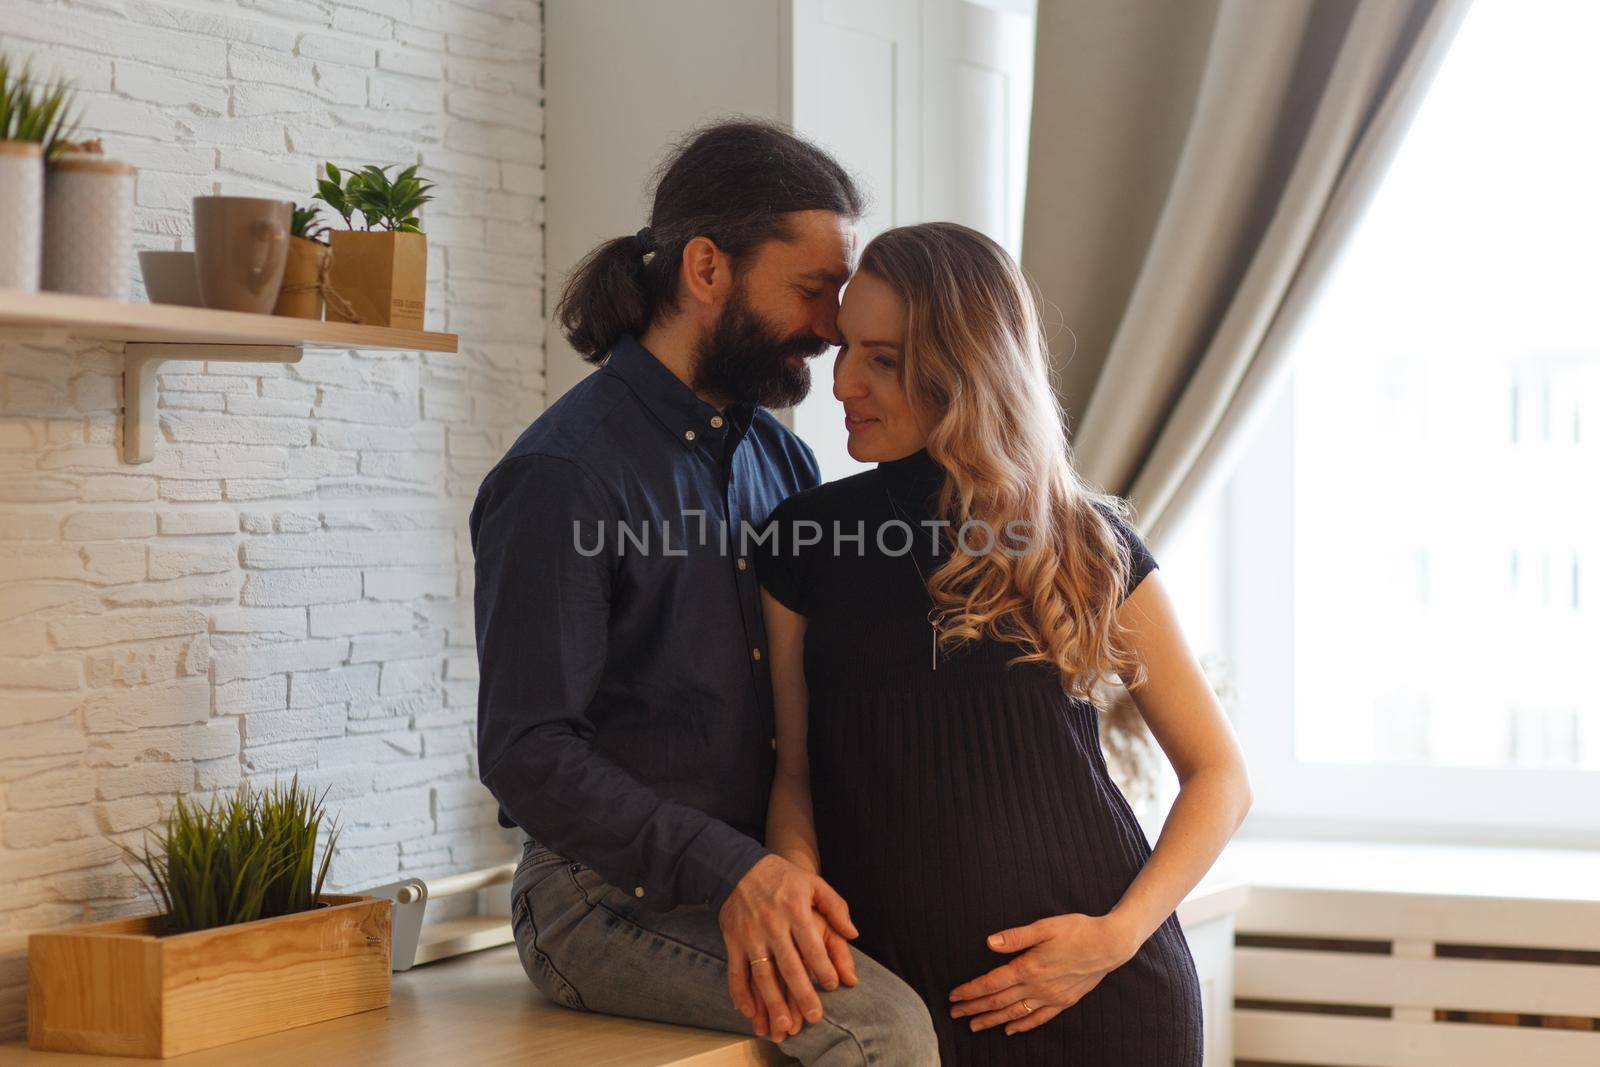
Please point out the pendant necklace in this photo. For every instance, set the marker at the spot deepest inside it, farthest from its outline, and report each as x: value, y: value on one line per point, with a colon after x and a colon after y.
x: 933, y: 612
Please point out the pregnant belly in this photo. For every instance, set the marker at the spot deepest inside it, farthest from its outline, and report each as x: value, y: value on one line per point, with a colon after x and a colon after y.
x: 928, y: 879
x: 998, y: 810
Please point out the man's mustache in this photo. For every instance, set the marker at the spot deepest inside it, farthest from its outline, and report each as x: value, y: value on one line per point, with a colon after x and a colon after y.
x: 806, y: 345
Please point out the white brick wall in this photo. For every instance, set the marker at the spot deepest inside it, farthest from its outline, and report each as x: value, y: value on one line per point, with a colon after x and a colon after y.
x: 288, y: 586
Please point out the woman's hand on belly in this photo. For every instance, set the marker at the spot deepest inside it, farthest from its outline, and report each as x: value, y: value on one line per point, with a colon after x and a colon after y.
x: 1062, y: 958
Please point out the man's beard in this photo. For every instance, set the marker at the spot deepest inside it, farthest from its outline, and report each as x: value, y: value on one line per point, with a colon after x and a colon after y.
x: 744, y: 360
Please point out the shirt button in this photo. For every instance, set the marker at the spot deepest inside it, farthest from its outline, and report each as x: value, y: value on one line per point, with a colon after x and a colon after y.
x: 755, y: 652
x: 716, y: 422
x: 688, y: 435
x: 638, y: 890
x: 742, y: 563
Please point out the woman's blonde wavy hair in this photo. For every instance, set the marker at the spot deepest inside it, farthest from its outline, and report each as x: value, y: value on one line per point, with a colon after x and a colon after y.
x: 975, y: 366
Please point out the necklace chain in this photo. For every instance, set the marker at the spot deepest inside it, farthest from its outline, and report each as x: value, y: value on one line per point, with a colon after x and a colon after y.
x: 933, y: 612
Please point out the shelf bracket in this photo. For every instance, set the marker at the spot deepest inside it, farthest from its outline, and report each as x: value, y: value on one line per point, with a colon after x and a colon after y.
x: 141, y: 359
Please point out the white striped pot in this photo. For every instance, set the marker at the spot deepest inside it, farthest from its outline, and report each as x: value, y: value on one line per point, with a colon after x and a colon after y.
x: 88, y: 227
x: 21, y: 214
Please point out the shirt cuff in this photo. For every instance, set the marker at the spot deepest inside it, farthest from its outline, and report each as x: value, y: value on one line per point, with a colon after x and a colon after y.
x: 734, y: 866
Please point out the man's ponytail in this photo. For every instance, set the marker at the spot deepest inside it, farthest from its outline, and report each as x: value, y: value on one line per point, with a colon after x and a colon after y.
x: 604, y: 298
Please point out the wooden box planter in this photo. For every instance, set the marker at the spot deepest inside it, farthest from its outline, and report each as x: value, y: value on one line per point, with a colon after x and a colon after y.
x: 116, y: 988
x: 382, y: 274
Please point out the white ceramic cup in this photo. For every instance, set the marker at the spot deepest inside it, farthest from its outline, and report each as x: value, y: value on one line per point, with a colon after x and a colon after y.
x: 21, y: 214
x: 169, y: 278
x: 88, y: 226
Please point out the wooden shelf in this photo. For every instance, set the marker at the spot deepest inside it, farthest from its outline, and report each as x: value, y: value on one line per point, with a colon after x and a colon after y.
x: 113, y: 320
x: 152, y: 334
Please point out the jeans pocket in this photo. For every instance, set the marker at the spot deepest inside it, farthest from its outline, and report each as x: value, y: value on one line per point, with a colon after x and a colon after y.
x: 590, y: 883
x: 536, y: 962
x: 535, y: 858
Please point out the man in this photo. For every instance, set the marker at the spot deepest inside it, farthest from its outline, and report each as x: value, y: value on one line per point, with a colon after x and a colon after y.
x: 625, y: 717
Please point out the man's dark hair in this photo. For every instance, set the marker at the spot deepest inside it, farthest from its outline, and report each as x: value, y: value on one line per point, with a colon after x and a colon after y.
x: 735, y: 183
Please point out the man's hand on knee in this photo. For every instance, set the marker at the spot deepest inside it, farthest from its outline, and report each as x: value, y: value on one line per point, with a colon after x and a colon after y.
x: 785, y: 929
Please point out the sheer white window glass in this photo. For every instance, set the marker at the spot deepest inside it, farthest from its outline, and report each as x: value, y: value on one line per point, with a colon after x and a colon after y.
x: 1412, y: 546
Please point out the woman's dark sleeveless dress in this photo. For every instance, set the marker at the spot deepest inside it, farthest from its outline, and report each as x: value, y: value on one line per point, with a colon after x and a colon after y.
x: 956, y: 802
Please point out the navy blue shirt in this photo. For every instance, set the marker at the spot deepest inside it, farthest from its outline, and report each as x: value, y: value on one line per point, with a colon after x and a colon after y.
x: 624, y: 703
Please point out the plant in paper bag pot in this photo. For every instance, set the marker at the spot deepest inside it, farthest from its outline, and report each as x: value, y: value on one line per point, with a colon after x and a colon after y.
x: 380, y: 273
x: 246, y: 943
x: 305, y: 272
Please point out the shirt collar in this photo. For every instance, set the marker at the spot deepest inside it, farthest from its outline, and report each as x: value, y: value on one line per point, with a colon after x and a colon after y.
x: 691, y: 420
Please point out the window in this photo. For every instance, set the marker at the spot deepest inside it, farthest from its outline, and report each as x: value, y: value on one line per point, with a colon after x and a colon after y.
x: 1413, y: 541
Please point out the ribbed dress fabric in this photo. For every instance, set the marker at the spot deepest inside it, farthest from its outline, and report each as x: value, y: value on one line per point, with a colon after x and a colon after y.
x: 954, y: 802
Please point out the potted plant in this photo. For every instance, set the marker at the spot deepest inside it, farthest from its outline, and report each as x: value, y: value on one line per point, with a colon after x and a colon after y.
x: 382, y: 269
x: 305, y: 274
x: 34, y: 127
x: 245, y: 944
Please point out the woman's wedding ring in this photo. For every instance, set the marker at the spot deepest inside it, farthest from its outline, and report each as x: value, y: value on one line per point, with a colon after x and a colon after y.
x: 1027, y: 1007
x: 760, y: 959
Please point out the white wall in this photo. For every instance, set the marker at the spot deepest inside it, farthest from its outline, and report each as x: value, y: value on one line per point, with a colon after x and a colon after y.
x: 287, y: 587
x: 628, y: 78
x: 925, y: 101
x: 928, y: 102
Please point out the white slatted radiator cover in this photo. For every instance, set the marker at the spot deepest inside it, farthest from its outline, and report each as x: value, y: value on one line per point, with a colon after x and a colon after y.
x: 1349, y: 978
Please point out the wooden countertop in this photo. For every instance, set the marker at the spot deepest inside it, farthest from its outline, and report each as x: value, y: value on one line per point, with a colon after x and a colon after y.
x: 480, y: 1008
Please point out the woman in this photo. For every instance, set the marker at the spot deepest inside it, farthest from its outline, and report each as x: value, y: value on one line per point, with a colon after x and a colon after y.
x: 938, y: 753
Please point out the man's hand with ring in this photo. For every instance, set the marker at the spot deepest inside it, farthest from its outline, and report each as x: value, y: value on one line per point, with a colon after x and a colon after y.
x: 760, y: 1020
x: 784, y: 928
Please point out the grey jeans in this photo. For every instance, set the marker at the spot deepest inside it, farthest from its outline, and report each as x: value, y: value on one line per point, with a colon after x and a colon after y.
x: 593, y: 947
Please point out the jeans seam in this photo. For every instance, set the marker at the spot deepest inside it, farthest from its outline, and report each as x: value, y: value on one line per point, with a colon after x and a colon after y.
x: 866, y: 1056
x: 657, y: 934
x: 527, y: 911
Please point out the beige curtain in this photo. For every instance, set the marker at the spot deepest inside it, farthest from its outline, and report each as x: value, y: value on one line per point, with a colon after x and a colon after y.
x: 1194, y: 169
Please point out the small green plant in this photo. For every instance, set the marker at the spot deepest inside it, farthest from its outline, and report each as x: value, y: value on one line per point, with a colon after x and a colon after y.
x: 306, y: 222
x: 36, y: 113
x: 389, y: 204
x: 331, y: 191
x: 249, y: 858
